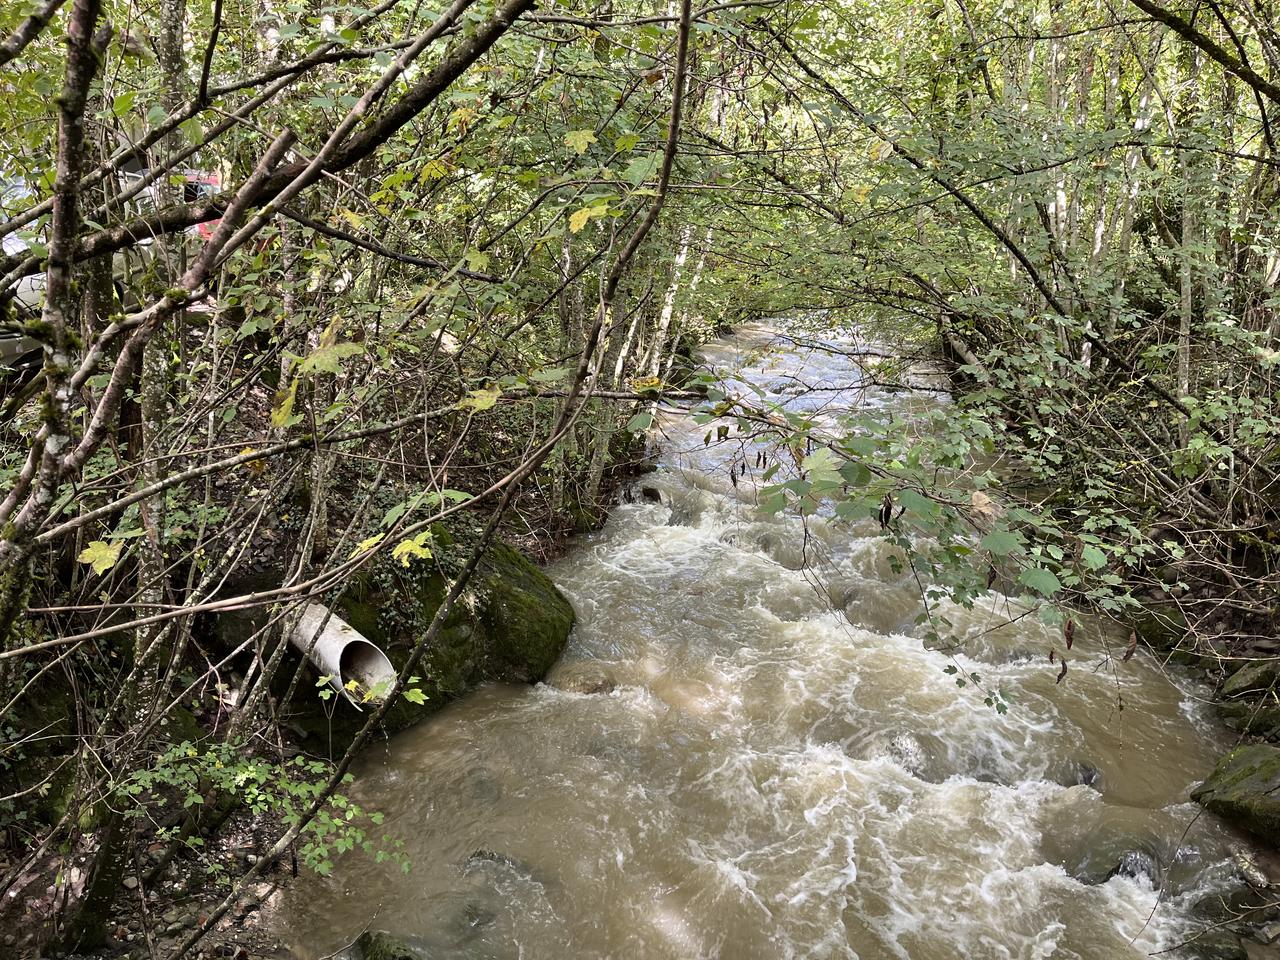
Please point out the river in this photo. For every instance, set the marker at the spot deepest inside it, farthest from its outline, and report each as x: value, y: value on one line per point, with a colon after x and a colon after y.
x: 747, y: 752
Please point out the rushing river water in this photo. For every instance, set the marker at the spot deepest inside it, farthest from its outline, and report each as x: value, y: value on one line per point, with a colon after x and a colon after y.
x: 747, y: 752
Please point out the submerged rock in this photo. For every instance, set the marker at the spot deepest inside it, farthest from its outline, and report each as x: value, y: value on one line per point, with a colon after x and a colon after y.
x: 484, y: 858
x: 1108, y: 854
x: 1245, y: 789
x: 1136, y: 865
x: 1086, y: 775
x: 907, y: 751
x: 585, y: 679
x: 379, y: 945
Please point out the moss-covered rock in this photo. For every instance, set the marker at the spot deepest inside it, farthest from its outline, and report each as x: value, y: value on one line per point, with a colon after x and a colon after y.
x: 377, y: 945
x: 1258, y: 719
x: 1252, y: 678
x: 509, y: 626
x: 1161, y: 625
x: 526, y: 620
x: 1245, y: 789
x: 1216, y: 946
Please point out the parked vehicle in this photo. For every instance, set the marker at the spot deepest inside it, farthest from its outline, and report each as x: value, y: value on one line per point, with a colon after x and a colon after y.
x: 200, y: 185
x: 18, y: 351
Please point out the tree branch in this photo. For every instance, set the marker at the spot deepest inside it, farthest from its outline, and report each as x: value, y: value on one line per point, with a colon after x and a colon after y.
x: 1222, y: 56
x: 27, y: 31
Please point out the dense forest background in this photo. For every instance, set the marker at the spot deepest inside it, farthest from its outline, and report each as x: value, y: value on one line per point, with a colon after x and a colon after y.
x: 301, y: 295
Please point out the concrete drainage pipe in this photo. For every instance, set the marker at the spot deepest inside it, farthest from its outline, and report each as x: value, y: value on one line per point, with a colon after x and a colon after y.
x: 343, y: 654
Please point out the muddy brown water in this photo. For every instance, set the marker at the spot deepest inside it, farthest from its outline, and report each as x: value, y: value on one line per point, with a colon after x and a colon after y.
x: 747, y: 752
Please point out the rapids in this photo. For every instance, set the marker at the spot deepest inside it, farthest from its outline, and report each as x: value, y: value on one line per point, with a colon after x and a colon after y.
x: 748, y: 752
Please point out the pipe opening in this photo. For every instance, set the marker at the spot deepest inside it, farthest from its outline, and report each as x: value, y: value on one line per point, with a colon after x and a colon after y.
x: 369, y: 667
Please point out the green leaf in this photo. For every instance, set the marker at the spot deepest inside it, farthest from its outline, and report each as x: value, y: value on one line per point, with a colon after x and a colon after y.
x: 192, y: 131
x: 101, y: 556
x: 639, y: 423
x: 917, y: 503
x: 822, y: 465
x: 1040, y: 580
x: 328, y: 359
x: 413, y: 695
x: 123, y: 103
x: 1093, y: 558
x: 549, y: 375
x: 641, y: 169
x: 1001, y: 542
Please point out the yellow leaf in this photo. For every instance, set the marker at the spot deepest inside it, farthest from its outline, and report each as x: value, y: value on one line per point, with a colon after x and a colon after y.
x: 579, y: 140
x: 253, y: 466
x: 282, y: 412
x: 880, y: 150
x: 460, y: 119
x: 352, y: 218
x: 578, y: 219
x: 100, y: 555
x: 433, y: 170
x: 406, y: 550
x: 481, y: 399
x: 367, y: 544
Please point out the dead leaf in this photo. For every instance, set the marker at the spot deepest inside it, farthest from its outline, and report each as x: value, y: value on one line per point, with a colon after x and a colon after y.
x: 1133, y: 646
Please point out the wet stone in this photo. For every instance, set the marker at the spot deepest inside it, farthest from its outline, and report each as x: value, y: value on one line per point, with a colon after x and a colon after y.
x: 1082, y: 775
x: 379, y: 945
x: 588, y: 683
x: 1136, y: 865
x: 1215, y: 946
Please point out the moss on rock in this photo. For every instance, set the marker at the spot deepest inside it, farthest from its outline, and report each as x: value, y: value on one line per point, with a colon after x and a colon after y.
x: 1252, y: 678
x: 377, y: 945
x: 527, y: 619
x: 509, y: 626
x: 1245, y: 789
x: 1249, y: 716
x: 1161, y: 625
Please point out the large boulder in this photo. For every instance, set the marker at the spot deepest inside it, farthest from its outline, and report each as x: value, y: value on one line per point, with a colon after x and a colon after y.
x: 509, y: 626
x: 1245, y: 789
x: 1159, y: 624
